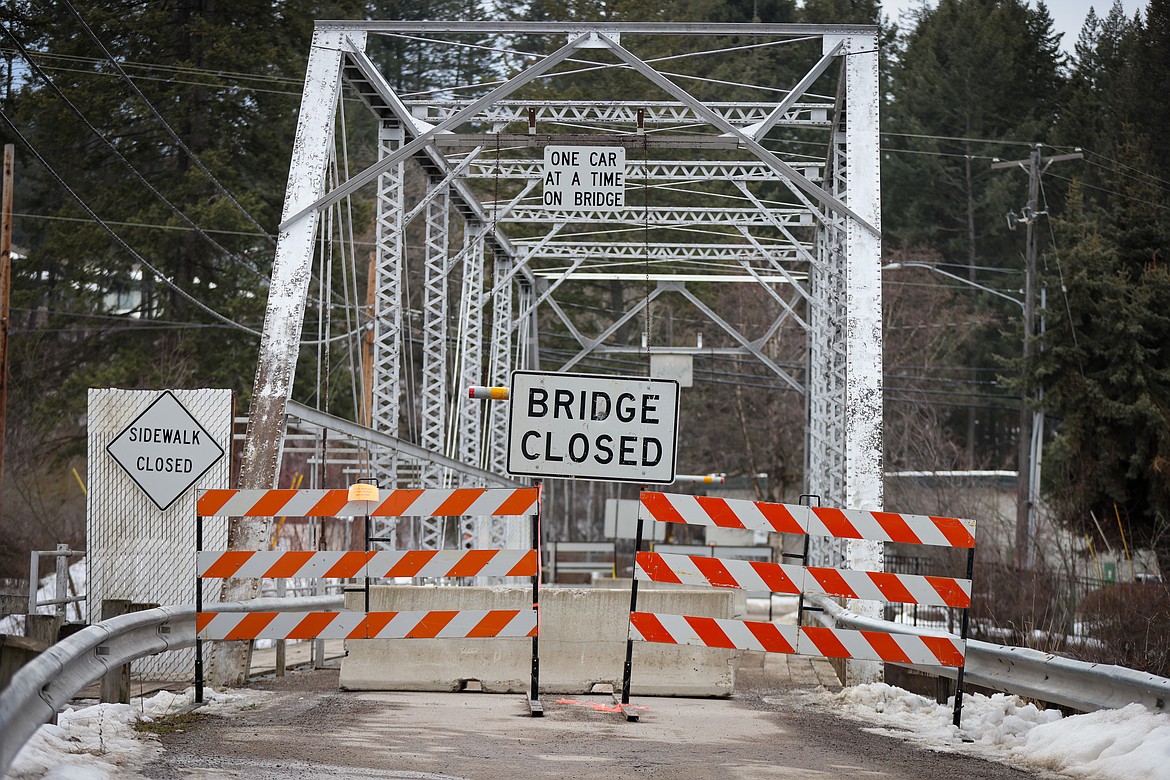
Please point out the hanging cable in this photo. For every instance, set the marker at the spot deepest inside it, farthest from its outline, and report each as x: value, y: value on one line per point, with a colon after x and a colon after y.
x: 121, y: 242
x: 122, y: 158
x: 645, y: 232
x: 129, y: 249
x: 170, y: 131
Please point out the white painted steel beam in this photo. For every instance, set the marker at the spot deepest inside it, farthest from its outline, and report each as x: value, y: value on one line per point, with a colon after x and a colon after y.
x: 665, y: 216
x: 434, y: 346
x: 378, y: 26
x: 386, y: 393
x: 359, y: 180
x: 655, y: 170
x: 284, y: 315
x: 500, y: 368
x: 732, y: 254
x: 765, y: 155
x: 291, y: 271
x: 577, y: 112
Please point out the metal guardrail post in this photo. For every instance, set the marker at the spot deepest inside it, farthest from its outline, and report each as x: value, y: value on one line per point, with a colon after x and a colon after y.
x: 115, y: 682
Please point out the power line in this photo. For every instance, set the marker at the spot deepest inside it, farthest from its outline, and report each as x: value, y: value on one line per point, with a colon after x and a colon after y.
x: 146, y: 225
x: 965, y: 139
x: 151, y: 67
x: 1123, y: 165
x: 1160, y: 206
x: 114, y: 234
x: 122, y: 158
x: 1148, y: 181
x: 170, y: 131
x: 142, y: 260
x: 171, y: 80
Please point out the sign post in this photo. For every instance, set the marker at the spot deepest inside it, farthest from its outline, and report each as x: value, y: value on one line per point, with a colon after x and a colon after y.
x: 582, y: 426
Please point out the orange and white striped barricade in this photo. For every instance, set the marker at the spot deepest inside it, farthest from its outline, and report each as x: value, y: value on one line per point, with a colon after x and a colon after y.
x: 808, y: 521
x: 368, y: 565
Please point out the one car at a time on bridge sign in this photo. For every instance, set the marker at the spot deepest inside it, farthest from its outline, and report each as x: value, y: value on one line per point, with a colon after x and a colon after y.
x: 582, y: 426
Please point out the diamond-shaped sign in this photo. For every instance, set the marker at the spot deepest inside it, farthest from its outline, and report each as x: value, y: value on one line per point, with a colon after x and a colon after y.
x: 165, y: 450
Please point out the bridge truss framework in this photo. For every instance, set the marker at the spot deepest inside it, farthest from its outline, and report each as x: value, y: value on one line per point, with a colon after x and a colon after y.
x: 713, y: 190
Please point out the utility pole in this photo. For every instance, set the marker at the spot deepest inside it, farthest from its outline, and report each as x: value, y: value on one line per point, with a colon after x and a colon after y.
x: 5, y: 292
x: 1027, y: 458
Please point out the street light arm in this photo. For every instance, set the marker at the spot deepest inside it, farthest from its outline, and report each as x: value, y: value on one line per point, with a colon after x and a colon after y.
x: 957, y: 278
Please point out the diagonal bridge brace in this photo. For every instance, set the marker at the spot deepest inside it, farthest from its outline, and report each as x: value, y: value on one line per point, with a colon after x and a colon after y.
x: 406, y: 150
x: 713, y: 118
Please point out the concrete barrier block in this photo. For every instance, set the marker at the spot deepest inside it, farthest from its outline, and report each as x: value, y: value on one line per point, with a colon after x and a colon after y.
x: 582, y: 643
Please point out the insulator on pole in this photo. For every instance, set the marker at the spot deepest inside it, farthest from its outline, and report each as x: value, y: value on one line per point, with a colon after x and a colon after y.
x: 481, y: 393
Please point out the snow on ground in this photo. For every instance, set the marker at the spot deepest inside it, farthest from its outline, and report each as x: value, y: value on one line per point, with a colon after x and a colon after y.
x: 99, y: 742
x: 1121, y: 744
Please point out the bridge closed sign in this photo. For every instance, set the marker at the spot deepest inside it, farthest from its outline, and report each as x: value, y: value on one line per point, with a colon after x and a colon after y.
x: 582, y: 426
x: 584, y: 178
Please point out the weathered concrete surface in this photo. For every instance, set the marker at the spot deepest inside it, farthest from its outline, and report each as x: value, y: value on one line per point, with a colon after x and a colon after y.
x: 582, y: 643
x: 772, y: 728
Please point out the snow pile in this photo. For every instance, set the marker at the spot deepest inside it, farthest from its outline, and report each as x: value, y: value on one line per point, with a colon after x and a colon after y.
x: 100, y: 742
x: 1129, y: 742
x: 1105, y: 745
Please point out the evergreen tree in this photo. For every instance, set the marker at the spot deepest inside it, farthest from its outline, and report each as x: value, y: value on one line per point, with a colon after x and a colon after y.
x: 969, y: 71
x: 173, y: 122
x: 1106, y: 382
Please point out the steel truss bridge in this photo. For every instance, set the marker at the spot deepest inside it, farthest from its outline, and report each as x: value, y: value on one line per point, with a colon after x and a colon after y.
x: 781, y: 193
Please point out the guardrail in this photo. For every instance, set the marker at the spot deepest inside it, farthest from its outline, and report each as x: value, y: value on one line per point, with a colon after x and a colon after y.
x: 1025, y: 672
x: 53, y: 678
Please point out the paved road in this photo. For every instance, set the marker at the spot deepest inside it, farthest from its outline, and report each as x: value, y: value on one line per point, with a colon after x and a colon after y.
x: 772, y: 728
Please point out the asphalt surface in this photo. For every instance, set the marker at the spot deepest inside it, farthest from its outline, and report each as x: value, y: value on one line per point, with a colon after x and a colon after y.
x: 773, y: 727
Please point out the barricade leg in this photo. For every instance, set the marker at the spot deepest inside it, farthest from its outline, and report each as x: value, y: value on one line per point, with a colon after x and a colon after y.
x: 534, y: 705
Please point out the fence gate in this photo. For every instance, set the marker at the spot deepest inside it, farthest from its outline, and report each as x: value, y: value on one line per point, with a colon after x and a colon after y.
x: 364, y: 501
x: 785, y: 578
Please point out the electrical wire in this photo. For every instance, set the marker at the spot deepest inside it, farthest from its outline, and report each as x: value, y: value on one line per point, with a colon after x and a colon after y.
x: 151, y: 67
x: 122, y: 158
x: 1160, y: 206
x: 1146, y: 179
x: 129, y: 249
x: 170, y: 131
x: 114, y: 234
x: 1060, y: 272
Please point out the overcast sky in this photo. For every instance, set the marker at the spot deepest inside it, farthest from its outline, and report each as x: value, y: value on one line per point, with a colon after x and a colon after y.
x: 1068, y: 15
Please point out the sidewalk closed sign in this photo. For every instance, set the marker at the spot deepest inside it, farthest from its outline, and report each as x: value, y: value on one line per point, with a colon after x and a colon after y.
x: 623, y: 429
x: 165, y: 450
